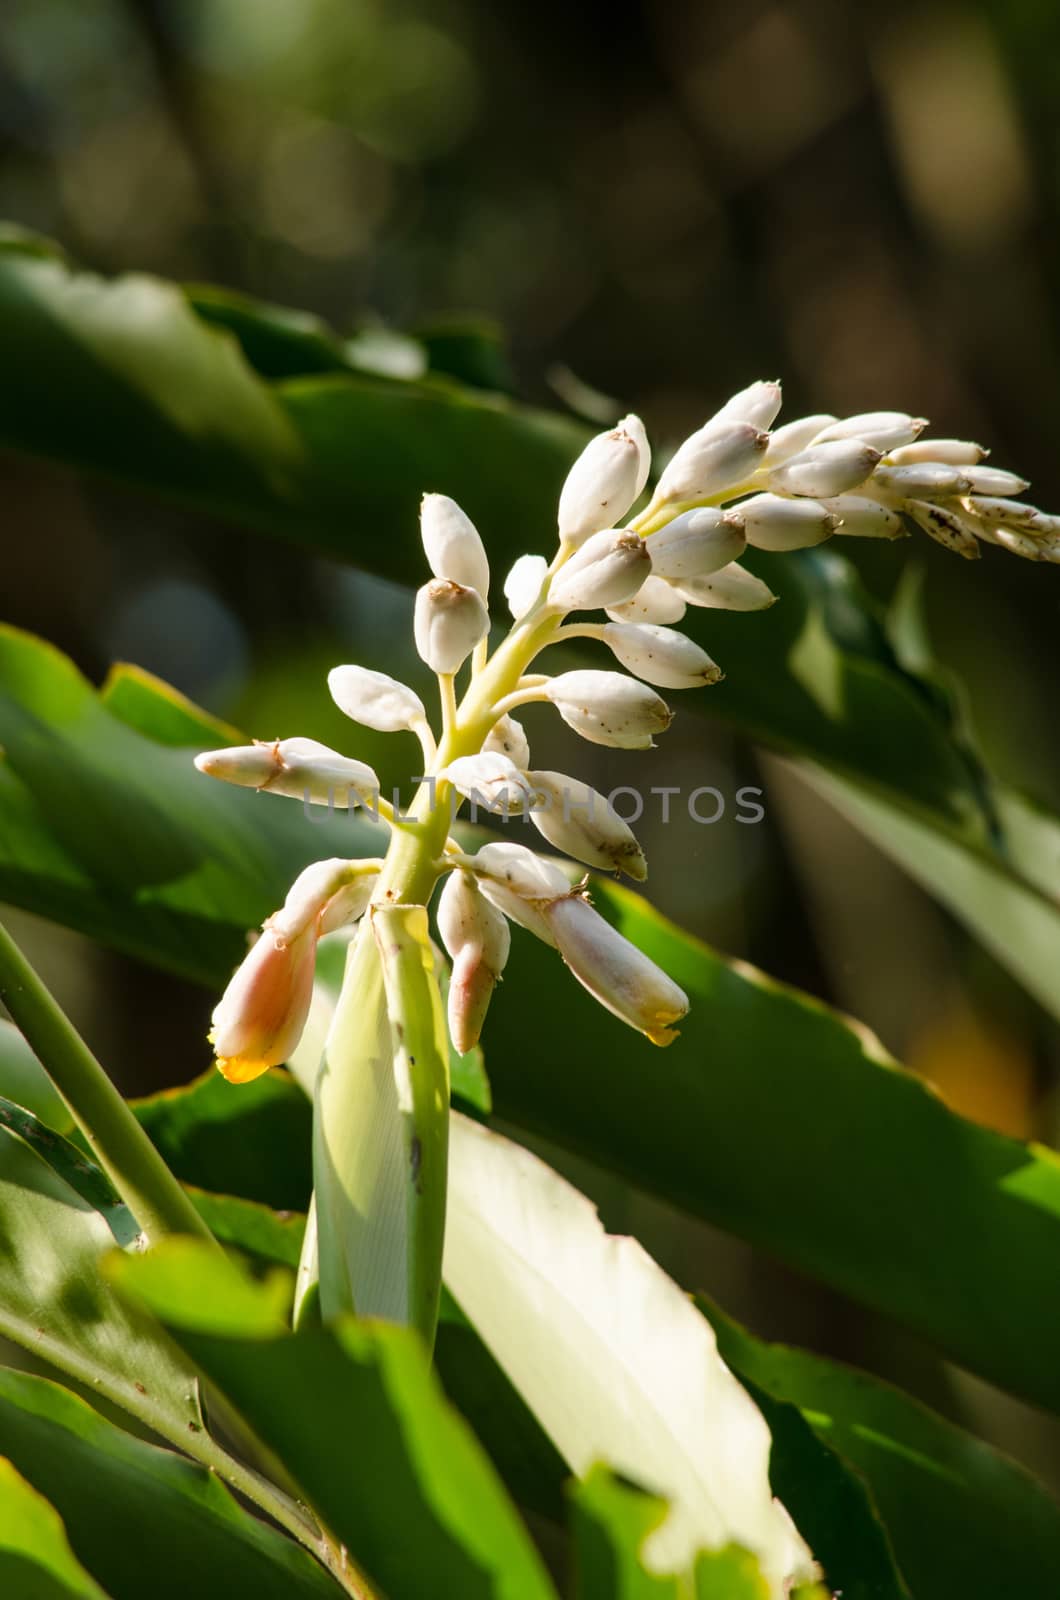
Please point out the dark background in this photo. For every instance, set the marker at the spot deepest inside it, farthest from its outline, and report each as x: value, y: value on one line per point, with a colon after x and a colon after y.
x: 659, y: 202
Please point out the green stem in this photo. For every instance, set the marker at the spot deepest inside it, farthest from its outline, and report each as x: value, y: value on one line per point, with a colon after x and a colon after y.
x: 117, y: 1140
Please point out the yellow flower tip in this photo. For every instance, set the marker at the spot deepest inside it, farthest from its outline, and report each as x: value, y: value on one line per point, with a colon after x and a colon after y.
x: 663, y: 1036
x: 236, y: 1070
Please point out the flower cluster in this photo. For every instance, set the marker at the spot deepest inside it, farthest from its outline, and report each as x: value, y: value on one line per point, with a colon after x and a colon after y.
x: 736, y: 482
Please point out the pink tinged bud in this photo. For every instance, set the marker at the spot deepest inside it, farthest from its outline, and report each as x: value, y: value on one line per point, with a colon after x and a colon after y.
x: 660, y: 656
x: 375, y: 700
x: 615, y: 972
x: 259, y: 1018
x: 861, y: 518
x: 449, y: 621
x: 654, y: 601
x: 604, y: 482
x: 758, y: 404
x: 697, y: 543
x: 951, y: 452
x: 794, y: 437
x: 524, y: 583
x: 945, y: 527
x: 607, y: 708
x: 582, y: 822
x: 452, y: 544
x: 884, y: 430
x: 508, y: 738
x: 731, y: 589
x: 924, y: 478
x: 719, y: 456
x: 773, y: 523
x: 492, y: 780
x: 520, y: 883
x: 299, y: 767
x: 477, y: 938
x: 826, y: 469
x: 607, y: 569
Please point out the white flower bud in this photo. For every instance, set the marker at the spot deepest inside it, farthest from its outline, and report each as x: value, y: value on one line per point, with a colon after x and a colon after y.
x: 773, y: 523
x: 654, y: 601
x: 945, y: 526
x: 350, y: 903
x: 697, y: 543
x: 1019, y: 544
x: 508, y: 738
x: 604, y: 481
x: 520, y: 883
x: 477, y: 938
x: 922, y: 478
x: 608, y: 568
x: 757, y: 404
x: 883, y: 430
x: 449, y: 621
x: 951, y: 452
x: 660, y: 655
x: 993, y: 481
x: 731, y: 589
x: 491, y: 780
x: 299, y: 767
x: 827, y: 469
x: 579, y: 820
x: 1009, y: 513
x: 524, y: 583
x: 715, y: 458
x: 308, y: 896
x: 614, y: 971
x: 452, y: 544
x: 860, y: 518
x: 607, y: 708
x: 374, y: 699
x: 794, y: 437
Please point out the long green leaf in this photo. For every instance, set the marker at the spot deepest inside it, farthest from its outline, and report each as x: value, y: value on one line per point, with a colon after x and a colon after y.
x: 962, y: 1518
x: 36, y: 1562
x: 356, y: 1416
x: 141, y: 1519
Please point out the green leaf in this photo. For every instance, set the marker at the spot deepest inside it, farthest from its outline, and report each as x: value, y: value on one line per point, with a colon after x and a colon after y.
x: 611, y: 1521
x: 152, y: 856
x: 607, y: 1352
x: 69, y: 1163
x: 829, y: 1501
x: 57, y: 1304
x: 267, y: 1235
x: 143, y: 1520
x: 1014, y: 916
x: 730, y: 1574
x: 421, y: 1510
x: 251, y: 1140
x: 533, y: 1470
x: 962, y: 1518
x: 778, y: 1119
x: 24, y: 1080
x: 36, y: 1562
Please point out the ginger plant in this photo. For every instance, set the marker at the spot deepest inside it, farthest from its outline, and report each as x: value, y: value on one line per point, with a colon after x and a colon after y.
x: 382, y: 1094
